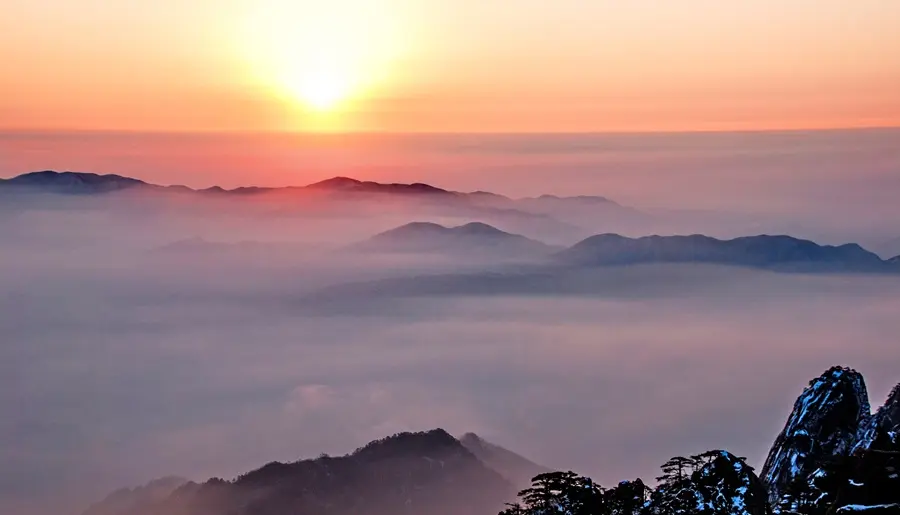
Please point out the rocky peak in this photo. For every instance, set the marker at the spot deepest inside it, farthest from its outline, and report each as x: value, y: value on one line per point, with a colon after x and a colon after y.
x: 426, y: 443
x: 824, y: 423
x: 881, y: 431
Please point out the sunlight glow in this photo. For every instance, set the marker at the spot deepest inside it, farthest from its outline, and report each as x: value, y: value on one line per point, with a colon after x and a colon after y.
x: 323, y: 55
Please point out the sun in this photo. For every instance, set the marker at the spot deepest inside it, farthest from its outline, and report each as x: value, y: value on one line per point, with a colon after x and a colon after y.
x: 320, y: 88
x: 322, y: 91
x: 324, y: 56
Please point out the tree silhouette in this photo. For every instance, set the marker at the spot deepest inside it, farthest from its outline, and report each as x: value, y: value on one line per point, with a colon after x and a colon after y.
x: 674, y: 470
x: 560, y: 493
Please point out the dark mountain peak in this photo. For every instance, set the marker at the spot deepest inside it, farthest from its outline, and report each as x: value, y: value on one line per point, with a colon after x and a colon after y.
x: 419, y: 227
x: 73, y: 182
x: 893, y: 398
x: 766, y: 251
x: 471, y: 439
x: 824, y: 423
x: 481, y: 229
x: 425, y: 443
x: 882, y: 430
x: 895, y: 259
x: 336, y: 183
x: 487, y: 195
x: 470, y: 239
x: 214, y: 189
x: 347, y: 184
x: 424, y: 472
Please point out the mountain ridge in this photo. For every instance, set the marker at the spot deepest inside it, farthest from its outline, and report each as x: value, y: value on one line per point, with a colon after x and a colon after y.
x: 761, y: 251
x: 472, y: 237
x: 68, y: 182
x: 814, y: 468
x: 410, y: 472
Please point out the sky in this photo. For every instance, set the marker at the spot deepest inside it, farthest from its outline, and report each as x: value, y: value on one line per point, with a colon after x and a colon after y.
x: 448, y: 66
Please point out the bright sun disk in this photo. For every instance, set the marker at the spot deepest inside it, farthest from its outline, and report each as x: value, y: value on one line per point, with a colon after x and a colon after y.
x: 322, y: 55
x: 320, y: 89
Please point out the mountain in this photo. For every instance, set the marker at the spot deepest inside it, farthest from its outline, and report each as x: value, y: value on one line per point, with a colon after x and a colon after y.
x: 894, y: 260
x: 86, y: 183
x: 764, y: 251
x: 70, y: 183
x: 824, y: 423
x: 126, y: 500
x: 888, y: 248
x: 346, y: 184
x: 881, y: 430
x: 515, y: 468
x: 470, y: 239
x: 834, y: 455
x: 408, y: 473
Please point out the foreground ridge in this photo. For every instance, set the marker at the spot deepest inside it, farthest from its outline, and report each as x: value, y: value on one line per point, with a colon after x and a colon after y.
x: 833, y: 457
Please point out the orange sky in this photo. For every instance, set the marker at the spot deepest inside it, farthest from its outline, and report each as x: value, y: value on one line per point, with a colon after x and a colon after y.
x: 442, y: 65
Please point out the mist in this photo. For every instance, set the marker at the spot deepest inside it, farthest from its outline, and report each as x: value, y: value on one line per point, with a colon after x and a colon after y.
x: 126, y: 356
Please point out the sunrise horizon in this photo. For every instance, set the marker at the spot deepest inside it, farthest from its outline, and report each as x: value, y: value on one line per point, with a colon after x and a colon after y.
x: 526, y: 257
x: 436, y: 67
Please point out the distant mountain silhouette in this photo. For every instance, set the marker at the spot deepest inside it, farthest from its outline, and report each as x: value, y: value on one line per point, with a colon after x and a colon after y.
x: 128, y: 500
x: 894, y: 260
x: 408, y: 473
x: 784, y: 252
x: 888, y: 248
x: 86, y: 183
x: 345, y: 184
x: 557, y: 219
x: 515, y: 468
x: 71, y: 182
x: 472, y: 238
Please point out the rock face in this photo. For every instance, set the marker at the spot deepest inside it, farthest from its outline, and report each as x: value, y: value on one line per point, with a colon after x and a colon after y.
x: 834, y: 456
x: 882, y: 430
x: 728, y: 485
x: 824, y: 423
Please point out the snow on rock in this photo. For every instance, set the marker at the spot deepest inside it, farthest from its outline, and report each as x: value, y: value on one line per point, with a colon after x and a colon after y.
x: 879, y: 508
x: 824, y: 423
x: 725, y: 485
